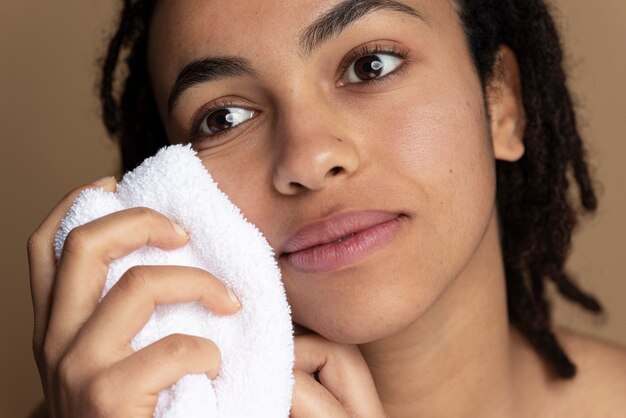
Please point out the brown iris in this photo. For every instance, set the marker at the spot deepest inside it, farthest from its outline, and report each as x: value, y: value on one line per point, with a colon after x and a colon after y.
x: 368, y: 67
x: 217, y: 121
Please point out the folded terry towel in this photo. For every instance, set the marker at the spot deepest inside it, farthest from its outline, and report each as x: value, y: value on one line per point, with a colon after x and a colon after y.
x: 256, y: 343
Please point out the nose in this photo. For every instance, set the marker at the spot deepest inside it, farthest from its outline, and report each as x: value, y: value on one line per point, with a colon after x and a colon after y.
x: 313, y: 149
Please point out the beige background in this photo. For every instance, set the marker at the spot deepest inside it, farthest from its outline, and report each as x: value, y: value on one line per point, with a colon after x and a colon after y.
x: 52, y: 141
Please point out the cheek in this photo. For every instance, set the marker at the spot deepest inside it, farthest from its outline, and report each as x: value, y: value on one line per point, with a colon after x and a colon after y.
x: 439, y: 143
x: 241, y: 172
x: 441, y: 146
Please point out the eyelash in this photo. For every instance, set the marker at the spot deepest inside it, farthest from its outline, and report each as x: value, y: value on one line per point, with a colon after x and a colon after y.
x: 350, y: 59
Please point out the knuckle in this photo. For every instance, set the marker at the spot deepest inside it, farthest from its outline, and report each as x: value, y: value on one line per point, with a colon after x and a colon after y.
x: 134, y: 280
x: 76, y: 241
x: 65, y: 372
x: 41, y: 235
x: 178, y: 346
x: 182, y: 347
x: 148, y: 214
x: 34, y: 243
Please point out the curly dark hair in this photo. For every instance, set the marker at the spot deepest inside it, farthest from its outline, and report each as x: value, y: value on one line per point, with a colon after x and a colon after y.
x: 536, y: 217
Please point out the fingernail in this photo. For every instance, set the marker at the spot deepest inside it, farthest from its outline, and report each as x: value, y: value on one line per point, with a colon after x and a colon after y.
x: 179, y: 230
x: 233, y: 297
x: 103, y: 181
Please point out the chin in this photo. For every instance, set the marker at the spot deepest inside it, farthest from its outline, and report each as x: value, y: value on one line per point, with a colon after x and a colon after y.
x: 364, y: 305
x: 362, y: 332
x: 365, y: 333
x: 361, y: 323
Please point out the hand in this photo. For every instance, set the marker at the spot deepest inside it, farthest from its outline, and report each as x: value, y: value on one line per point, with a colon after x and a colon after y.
x: 82, y: 347
x: 345, y: 388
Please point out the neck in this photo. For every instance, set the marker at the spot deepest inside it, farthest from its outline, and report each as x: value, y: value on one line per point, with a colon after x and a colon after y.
x: 458, y: 358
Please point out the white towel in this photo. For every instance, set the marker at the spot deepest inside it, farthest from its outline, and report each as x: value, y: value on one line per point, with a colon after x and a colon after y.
x: 256, y: 343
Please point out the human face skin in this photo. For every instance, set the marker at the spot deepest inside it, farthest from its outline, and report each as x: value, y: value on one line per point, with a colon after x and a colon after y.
x: 416, y: 143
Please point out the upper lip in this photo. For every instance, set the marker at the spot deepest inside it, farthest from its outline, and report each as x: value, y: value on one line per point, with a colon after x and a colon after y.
x: 337, y: 226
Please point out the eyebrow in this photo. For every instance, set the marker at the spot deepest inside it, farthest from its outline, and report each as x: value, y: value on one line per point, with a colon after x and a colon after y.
x: 344, y: 14
x: 205, y: 70
x: 327, y: 26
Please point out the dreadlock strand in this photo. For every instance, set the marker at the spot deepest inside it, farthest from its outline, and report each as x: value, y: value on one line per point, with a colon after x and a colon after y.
x: 532, y: 318
x: 575, y: 294
x: 555, y: 353
x: 110, y: 114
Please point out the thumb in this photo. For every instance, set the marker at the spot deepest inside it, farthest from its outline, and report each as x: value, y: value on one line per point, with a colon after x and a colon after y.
x: 342, y: 371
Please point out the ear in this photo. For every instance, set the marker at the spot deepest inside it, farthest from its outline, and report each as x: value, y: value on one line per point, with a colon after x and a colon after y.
x: 506, y: 108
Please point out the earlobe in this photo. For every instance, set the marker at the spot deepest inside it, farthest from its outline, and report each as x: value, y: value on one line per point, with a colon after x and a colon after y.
x: 506, y: 108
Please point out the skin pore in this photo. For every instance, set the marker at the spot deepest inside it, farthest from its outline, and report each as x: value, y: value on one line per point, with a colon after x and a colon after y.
x: 428, y: 310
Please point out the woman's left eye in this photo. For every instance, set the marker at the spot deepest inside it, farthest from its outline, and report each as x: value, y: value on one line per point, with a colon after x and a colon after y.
x: 370, y: 67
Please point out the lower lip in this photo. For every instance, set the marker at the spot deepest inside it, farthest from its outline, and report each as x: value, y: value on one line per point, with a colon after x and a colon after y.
x: 332, y: 256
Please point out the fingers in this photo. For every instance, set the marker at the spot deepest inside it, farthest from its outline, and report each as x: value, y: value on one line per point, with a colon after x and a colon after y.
x: 83, y: 265
x: 131, y: 386
x: 312, y: 400
x: 342, y: 372
x: 164, y: 362
x: 130, y: 303
x: 41, y: 259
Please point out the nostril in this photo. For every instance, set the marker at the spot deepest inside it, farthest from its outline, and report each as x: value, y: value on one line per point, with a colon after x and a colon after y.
x: 335, y: 170
x: 295, y: 185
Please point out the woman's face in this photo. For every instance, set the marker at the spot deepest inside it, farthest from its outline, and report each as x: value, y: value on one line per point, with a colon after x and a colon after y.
x: 311, y: 135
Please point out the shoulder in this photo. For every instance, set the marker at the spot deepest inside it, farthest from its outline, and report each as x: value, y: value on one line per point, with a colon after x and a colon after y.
x: 599, y: 387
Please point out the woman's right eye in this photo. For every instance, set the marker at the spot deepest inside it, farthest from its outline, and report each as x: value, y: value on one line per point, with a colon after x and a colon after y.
x: 222, y: 119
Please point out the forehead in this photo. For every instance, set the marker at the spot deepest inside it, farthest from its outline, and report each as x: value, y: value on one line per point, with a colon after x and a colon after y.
x: 190, y: 25
x: 183, y: 30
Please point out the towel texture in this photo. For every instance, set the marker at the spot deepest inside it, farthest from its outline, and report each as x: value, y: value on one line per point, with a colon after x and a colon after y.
x: 256, y: 343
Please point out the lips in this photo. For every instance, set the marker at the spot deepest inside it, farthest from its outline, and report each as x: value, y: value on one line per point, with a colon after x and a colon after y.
x: 335, y: 228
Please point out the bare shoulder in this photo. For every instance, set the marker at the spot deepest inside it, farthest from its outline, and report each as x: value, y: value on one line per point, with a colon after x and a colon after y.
x: 599, y: 387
